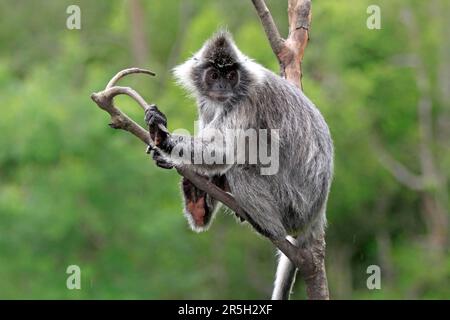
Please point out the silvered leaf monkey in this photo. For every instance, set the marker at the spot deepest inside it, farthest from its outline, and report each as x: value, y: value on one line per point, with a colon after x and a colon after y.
x: 234, y: 92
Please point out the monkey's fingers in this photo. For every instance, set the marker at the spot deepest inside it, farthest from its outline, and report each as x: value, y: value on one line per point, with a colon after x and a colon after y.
x: 164, y: 165
x: 163, y: 129
x: 160, y: 161
x: 153, y: 115
x: 158, y: 132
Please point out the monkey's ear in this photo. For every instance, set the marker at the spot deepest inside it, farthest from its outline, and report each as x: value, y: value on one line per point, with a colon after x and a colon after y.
x: 197, y: 209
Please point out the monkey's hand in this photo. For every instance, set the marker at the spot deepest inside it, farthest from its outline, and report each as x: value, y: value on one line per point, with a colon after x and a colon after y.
x: 157, y: 123
x: 160, y: 160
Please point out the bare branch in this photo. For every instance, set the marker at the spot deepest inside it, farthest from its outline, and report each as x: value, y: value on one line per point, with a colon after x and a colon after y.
x: 125, y: 72
x: 273, y: 35
x: 397, y: 169
x: 299, y: 13
x: 119, y: 120
x: 289, y: 52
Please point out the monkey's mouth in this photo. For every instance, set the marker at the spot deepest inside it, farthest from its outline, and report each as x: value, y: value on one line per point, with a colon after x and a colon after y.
x: 220, y: 96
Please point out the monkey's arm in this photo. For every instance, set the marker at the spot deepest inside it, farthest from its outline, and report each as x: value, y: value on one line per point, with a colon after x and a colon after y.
x: 205, y: 154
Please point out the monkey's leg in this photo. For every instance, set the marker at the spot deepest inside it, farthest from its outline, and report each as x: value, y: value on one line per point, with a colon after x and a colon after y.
x: 199, y: 207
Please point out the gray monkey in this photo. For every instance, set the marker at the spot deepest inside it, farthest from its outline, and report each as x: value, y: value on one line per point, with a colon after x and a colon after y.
x: 234, y: 92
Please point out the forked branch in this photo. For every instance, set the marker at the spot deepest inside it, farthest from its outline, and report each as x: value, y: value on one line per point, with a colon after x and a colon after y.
x: 290, y: 51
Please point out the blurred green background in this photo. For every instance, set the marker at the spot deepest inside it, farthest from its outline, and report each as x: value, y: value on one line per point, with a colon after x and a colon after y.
x: 73, y: 191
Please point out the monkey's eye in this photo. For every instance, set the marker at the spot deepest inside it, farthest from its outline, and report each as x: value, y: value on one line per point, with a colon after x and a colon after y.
x: 232, y: 76
x: 212, y: 75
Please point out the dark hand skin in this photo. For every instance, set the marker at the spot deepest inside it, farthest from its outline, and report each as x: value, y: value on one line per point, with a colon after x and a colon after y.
x: 154, y: 118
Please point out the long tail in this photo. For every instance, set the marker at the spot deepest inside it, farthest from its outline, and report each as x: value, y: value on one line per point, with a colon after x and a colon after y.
x: 285, y: 276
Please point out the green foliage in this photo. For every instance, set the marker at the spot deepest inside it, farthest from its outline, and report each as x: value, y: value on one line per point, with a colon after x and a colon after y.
x: 73, y: 191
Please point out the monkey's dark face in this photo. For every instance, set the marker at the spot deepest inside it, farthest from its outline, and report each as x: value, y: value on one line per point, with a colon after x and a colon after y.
x: 219, y: 84
x: 219, y: 75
